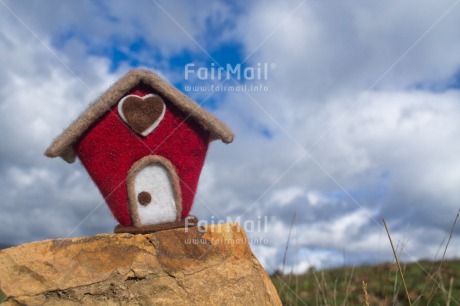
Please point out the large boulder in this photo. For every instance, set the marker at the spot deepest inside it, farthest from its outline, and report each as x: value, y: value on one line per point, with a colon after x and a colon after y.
x: 207, y: 265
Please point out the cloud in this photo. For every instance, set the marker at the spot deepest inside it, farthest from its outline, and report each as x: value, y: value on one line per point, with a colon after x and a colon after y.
x: 348, y: 132
x: 40, y: 95
x: 375, y: 143
x: 394, y: 157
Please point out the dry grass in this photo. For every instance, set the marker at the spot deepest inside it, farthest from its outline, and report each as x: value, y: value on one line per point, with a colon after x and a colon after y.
x: 343, y: 286
x: 366, y: 296
x: 397, y: 262
x: 418, y: 283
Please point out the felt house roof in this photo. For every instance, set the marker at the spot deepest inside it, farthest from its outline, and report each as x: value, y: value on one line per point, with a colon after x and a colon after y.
x: 63, y: 145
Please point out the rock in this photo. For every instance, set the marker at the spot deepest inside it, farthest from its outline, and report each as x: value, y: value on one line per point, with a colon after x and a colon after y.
x: 181, y: 266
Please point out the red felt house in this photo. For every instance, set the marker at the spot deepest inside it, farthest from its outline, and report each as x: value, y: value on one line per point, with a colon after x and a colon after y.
x: 143, y: 142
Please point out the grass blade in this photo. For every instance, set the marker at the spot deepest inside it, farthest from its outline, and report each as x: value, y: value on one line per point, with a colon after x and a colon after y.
x: 366, y: 296
x: 435, y: 286
x: 287, y: 244
x: 397, y: 262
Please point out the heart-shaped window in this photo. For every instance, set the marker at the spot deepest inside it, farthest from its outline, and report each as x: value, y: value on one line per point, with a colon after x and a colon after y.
x: 142, y: 114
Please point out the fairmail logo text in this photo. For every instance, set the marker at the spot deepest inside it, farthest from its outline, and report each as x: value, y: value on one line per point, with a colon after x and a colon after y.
x: 259, y: 72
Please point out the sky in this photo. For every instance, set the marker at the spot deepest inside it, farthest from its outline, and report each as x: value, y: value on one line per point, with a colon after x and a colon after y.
x: 354, y: 118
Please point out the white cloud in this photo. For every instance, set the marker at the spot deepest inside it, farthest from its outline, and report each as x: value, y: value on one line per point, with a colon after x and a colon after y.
x: 39, y: 97
x: 286, y: 196
x: 315, y: 198
x: 393, y: 148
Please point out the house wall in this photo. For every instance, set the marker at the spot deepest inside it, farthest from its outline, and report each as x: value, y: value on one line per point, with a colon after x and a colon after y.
x: 110, y: 148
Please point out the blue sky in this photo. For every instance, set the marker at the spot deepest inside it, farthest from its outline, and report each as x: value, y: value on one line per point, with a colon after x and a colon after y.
x: 359, y: 120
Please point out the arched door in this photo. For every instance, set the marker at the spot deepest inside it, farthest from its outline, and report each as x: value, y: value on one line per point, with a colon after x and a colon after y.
x: 154, y: 192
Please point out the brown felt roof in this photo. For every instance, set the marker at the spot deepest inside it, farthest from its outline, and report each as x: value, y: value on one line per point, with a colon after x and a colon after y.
x: 63, y: 145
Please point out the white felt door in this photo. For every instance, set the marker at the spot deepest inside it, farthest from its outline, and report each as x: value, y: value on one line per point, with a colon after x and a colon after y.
x: 154, y: 195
